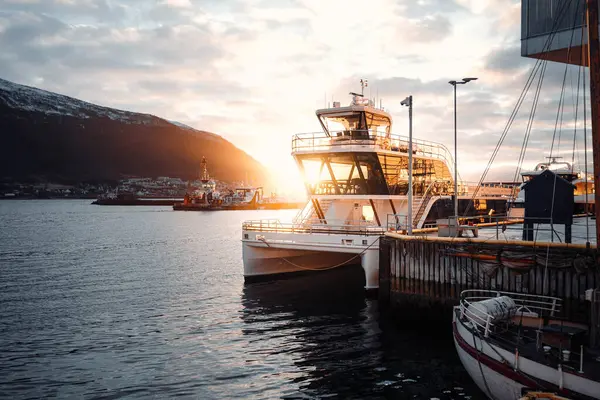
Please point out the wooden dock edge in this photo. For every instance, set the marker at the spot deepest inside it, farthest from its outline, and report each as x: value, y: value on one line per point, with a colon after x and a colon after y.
x: 523, y: 243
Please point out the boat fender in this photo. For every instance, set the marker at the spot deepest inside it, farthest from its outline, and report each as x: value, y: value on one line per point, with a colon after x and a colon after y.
x: 499, y: 308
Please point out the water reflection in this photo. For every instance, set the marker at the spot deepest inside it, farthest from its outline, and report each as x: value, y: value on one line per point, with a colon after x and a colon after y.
x: 336, y: 344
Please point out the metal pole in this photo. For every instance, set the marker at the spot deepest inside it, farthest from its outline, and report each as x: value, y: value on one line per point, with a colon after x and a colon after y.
x: 410, y: 166
x: 455, y: 162
x: 594, y: 64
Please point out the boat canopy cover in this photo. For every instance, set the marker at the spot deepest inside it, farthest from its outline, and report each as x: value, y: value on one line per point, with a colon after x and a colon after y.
x: 349, y: 110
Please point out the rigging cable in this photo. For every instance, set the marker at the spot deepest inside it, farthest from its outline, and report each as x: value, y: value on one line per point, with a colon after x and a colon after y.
x: 530, y: 79
x: 585, y: 150
x: 561, y: 103
x: 559, y: 113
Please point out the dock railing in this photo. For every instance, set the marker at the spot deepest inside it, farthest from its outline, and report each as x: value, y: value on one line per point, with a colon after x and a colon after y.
x: 499, y: 227
x: 505, y: 227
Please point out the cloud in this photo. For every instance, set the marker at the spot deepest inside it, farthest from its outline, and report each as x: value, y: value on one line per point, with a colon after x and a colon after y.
x: 422, y: 8
x: 506, y: 60
x: 428, y: 29
x: 255, y: 70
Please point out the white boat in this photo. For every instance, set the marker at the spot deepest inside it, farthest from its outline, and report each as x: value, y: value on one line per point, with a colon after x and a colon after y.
x: 356, y: 176
x: 512, y: 344
x: 584, y: 188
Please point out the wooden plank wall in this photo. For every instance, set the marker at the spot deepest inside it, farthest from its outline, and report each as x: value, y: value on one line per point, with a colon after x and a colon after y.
x: 434, y: 273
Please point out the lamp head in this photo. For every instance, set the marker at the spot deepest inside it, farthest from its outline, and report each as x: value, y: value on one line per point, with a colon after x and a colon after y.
x: 452, y: 83
x: 465, y: 80
x: 406, y: 102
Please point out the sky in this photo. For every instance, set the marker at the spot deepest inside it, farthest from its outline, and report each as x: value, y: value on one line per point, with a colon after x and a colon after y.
x: 254, y: 71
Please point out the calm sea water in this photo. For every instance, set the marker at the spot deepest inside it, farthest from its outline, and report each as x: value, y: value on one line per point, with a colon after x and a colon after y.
x: 109, y: 302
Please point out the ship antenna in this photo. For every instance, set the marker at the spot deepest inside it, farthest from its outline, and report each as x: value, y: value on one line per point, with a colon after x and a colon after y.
x: 363, y: 84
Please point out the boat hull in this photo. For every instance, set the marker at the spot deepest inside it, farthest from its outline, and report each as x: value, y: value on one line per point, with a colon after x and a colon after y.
x: 136, y: 202
x: 494, y: 384
x: 275, y: 255
x: 232, y: 207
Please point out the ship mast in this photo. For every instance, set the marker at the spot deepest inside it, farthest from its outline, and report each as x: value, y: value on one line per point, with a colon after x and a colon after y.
x: 204, y: 177
x: 594, y: 65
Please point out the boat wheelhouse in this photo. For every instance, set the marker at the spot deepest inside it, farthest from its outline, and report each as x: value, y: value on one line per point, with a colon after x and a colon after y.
x: 356, y: 174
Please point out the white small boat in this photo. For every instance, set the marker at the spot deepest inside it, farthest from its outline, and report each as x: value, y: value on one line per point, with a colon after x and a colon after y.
x: 513, y: 344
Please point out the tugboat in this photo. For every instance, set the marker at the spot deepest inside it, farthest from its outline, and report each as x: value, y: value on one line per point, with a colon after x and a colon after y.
x: 204, y: 198
x: 207, y: 198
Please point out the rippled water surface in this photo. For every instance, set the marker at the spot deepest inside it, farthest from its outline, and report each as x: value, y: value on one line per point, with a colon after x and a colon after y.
x: 108, y: 302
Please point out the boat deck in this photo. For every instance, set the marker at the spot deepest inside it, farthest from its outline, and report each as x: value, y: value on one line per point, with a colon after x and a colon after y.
x: 554, y: 334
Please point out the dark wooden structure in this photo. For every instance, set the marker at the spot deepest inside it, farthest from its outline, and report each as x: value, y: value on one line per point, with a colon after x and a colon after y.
x: 426, y: 275
x: 593, y: 62
x: 549, y: 199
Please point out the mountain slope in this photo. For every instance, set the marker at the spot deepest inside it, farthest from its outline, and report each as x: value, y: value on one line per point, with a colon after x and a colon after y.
x: 48, y: 136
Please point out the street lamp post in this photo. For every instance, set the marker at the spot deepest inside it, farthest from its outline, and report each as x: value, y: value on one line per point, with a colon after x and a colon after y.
x: 454, y: 83
x: 408, y: 102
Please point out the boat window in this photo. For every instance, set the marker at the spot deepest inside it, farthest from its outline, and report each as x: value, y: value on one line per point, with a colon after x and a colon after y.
x: 367, y: 213
x: 480, y: 204
x: 379, y: 125
x: 429, y: 176
x: 344, y: 173
x: 350, y: 124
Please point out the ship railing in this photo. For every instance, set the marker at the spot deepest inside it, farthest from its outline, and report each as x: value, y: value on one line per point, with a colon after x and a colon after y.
x: 397, y: 223
x: 527, y: 305
x: 329, y: 227
x: 469, y: 187
x: 446, y: 187
x: 336, y: 139
x: 321, y: 141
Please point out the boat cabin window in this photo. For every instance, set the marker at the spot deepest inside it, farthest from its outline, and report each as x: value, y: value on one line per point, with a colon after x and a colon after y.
x: 347, y: 125
x: 368, y: 214
x: 356, y: 125
x: 343, y: 173
x: 378, y: 125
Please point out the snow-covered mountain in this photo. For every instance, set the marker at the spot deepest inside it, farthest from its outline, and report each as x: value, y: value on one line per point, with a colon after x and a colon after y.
x: 48, y: 136
x: 28, y: 98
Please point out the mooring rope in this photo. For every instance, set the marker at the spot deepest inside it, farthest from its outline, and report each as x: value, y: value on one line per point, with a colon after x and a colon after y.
x: 489, y: 392
x: 326, y: 268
